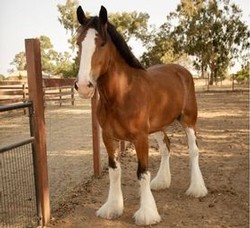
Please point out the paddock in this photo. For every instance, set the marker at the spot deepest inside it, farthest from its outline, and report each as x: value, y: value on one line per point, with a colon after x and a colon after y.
x: 69, y: 142
x: 223, y: 140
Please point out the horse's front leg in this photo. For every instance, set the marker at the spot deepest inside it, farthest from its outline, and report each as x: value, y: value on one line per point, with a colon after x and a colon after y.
x: 147, y: 213
x: 113, y: 207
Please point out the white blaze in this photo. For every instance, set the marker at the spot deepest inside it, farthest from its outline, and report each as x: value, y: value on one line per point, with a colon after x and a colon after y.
x: 88, y: 47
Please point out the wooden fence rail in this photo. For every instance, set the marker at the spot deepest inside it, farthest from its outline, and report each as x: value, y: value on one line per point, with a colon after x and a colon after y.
x: 59, y: 95
x: 12, y: 93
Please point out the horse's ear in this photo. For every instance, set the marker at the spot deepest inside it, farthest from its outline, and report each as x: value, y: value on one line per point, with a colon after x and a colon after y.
x: 103, y: 15
x: 81, y: 15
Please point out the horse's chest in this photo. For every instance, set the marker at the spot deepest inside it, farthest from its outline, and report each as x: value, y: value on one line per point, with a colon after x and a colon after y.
x: 117, y: 123
x: 108, y: 117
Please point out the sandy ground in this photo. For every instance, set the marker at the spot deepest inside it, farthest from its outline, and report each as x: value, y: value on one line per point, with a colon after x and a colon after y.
x: 223, y: 137
x: 69, y: 144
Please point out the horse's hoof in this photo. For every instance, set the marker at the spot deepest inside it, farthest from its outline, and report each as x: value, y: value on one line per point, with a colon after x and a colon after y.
x: 197, y: 191
x: 108, y: 211
x: 147, y: 216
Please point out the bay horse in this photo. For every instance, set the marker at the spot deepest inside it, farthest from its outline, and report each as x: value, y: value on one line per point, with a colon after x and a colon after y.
x: 133, y: 103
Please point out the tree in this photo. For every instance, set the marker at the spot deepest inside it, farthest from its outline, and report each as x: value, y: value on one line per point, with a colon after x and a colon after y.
x: 2, y: 77
x: 242, y: 76
x: 128, y: 24
x: 131, y: 24
x: 68, y: 19
x: 212, y: 31
x: 19, y: 61
x: 160, y: 47
x: 53, y: 62
x: 48, y: 55
x: 64, y: 65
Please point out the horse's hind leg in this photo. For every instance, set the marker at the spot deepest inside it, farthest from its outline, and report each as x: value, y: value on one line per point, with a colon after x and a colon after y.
x: 188, y: 120
x: 114, y: 205
x: 197, y: 186
x: 163, y: 177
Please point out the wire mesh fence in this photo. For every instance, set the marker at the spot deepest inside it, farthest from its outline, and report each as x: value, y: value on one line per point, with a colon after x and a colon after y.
x: 18, y: 206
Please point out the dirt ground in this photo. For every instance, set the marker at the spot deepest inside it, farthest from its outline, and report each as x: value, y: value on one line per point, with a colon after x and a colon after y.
x: 223, y: 138
x: 69, y: 145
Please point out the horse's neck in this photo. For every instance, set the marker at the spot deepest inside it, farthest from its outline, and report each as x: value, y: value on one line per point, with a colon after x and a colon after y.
x: 116, y: 82
x: 113, y: 84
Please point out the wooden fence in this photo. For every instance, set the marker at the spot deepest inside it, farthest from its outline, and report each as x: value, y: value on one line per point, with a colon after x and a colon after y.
x: 12, y: 92
x: 59, y: 91
x: 59, y: 95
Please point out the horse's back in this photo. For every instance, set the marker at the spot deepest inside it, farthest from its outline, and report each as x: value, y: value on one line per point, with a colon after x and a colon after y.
x: 171, y: 71
x: 172, y: 78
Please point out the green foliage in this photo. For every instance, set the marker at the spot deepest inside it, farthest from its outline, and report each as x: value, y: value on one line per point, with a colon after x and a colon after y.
x: 19, y: 61
x: 2, y: 77
x: 161, y: 47
x: 68, y: 19
x: 65, y: 66
x: 212, y: 31
x: 48, y: 55
x: 242, y: 76
x: 53, y: 62
x: 130, y: 24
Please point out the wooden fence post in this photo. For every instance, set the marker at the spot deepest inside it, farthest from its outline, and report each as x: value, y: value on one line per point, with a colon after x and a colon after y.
x: 33, y: 58
x: 95, y: 136
x: 72, y: 95
x: 60, y: 96
x: 122, y: 147
x: 24, y: 96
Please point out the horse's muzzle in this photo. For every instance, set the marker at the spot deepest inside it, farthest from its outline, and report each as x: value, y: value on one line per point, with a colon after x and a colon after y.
x: 85, y: 90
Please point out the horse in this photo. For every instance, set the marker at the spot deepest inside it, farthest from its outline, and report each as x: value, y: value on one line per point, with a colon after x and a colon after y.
x: 133, y: 103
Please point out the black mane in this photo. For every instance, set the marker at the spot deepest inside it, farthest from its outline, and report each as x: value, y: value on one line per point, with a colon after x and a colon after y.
x: 123, y: 48
x: 118, y: 41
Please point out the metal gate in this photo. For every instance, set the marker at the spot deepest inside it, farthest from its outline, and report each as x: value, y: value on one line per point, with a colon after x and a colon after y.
x: 18, y: 186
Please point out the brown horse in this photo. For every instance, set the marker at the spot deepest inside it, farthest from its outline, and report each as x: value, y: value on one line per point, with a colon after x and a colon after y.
x: 135, y: 102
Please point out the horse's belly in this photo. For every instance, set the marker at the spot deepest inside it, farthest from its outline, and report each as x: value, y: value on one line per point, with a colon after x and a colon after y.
x: 163, y: 117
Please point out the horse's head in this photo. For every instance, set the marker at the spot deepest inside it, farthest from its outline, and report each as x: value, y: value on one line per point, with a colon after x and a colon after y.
x: 92, y: 41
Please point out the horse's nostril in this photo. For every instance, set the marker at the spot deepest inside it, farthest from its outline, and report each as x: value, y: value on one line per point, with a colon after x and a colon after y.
x: 76, y: 87
x: 90, y: 85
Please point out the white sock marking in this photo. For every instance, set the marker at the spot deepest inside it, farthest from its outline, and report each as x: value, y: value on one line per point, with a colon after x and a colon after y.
x: 148, y: 213
x: 113, y: 207
x: 197, y: 186
x: 163, y: 177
